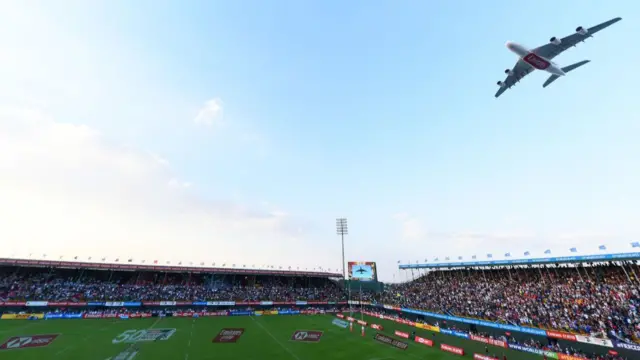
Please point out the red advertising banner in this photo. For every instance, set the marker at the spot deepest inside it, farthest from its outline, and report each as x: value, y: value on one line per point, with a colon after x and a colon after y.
x: 402, y: 334
x: 421, y: 340
x: 485, y: 340
x: 561, y: 335
x: 483, y: 357
x: 363, y: 323
x: 377, y: 327
x: 340, y: 316
x: 562, y: 356
x: 452, y: 349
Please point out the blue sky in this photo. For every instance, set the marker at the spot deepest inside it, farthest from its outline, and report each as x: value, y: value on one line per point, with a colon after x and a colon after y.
x: 236, y: 131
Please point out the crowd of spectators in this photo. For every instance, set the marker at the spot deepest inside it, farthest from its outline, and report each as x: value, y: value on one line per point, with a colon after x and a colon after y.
x: 53, y: 286
x: 593, y: 300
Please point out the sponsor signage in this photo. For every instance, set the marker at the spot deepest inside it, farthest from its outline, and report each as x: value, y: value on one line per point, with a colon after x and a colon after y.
x: 228, y: 335
x: 266, y: 303
x: 220, y: 303
x: 363, y: 323
x: 624, y: 345
x: 377, y: 327
x: 401, y: 334
x: 562, y: 356
x: 167, y: 303
x: 21, y: 316
x: 485, y: 340
x: 21, y: 342
x: 390, y: 341
x: 114, y: 303
x: 341, y: 323
x: 423, y: 341
x: 306, y: 336
x: 37, y: 303
x: 340, y: 316
x: 454, y: 333
x: 595, y: 341
x: 561, y: 335
x: 452, y: 349
x: 483, y: 357
x: 526, y: 349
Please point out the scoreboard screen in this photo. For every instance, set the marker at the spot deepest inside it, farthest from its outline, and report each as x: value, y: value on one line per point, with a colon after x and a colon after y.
x: 362, y: 271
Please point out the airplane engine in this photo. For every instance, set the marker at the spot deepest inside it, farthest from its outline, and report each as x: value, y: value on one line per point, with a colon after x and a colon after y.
x: 582, y: 31
x: 555, y: 41
x: 501, y: 84
x: 508, y: 72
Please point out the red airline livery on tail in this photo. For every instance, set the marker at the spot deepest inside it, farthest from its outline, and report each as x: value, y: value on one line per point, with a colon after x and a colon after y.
x: 540, y: 57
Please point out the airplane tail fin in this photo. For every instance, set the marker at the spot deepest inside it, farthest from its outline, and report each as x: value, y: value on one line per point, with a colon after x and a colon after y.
x: 566, y: 69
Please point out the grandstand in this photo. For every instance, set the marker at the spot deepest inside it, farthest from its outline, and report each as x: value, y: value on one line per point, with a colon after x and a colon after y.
x: 592, y: 301
x: 584, y: 310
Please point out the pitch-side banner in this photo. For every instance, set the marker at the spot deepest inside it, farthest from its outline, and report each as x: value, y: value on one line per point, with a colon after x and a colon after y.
x: 594, y: 341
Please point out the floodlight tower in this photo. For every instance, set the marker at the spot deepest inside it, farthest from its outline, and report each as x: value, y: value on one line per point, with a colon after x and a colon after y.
x: 342, y: 230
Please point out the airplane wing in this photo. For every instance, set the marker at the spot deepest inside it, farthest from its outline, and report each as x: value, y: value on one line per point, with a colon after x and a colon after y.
x: 518, y: 72
x: 552, y: 50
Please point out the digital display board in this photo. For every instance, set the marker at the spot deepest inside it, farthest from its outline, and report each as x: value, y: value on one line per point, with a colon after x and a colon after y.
x: 362, y: 271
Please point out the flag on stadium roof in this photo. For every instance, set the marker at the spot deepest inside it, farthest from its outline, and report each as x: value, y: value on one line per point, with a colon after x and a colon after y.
x: 103, y: 259
x: 489, y: 256
x: 74, y: 258
x: 635, y: 244
x: 459, y: 257
x: 117, y: 259
x: 436, y: 259
x: 548, y: 251
x: 473, y: 257
x: 425, y: 260
x: 602, y: 247
x: 154, y: 261
x: 507, y: 255
x: 526, y: 253
x: 573, y: 250
x: 398, y: 261
x: 130, y: 260
x: 447, y: 258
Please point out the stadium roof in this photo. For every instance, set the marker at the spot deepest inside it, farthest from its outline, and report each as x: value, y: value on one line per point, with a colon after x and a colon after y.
x: 534, y: 261
x: 160, y: 268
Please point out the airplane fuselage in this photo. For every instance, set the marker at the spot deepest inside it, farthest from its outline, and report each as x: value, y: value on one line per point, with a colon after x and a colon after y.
x: 533, y: 59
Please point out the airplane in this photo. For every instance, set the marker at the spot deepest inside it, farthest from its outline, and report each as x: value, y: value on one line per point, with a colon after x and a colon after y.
x: 540, y: 57
x: 361, y: 271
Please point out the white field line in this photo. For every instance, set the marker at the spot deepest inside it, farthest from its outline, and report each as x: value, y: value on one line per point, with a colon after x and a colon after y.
x: 186, y: 353
x: 275, y: 339
x: 84, y: 340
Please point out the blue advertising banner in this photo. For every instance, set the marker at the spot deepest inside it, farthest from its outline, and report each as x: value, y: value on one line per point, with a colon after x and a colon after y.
x: 454, y: 333
x: 240, y: 313
x: 523, y: 329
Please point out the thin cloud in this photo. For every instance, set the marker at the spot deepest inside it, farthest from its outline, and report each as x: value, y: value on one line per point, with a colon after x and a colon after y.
x: 211, y: 113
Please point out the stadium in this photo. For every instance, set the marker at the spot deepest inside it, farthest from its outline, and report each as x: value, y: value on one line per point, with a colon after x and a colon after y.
x: 554, y: 308
x: 153, y: 154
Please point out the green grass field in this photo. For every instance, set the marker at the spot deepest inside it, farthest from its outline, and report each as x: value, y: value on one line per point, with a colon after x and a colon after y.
x: 264, y: 338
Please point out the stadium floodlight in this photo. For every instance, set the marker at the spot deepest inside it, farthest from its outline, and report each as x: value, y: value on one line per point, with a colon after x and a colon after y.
x: 342, y: 230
